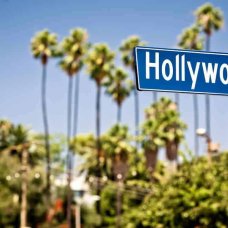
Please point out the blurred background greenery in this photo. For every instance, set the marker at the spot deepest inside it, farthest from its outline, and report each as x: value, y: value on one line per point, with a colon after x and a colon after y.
x: 114, y: 178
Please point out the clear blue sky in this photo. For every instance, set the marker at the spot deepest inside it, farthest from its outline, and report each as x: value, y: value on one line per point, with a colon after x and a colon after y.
x: 157, y: 22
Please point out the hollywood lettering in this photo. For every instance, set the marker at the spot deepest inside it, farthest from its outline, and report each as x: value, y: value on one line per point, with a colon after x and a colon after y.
x: 182, y: 68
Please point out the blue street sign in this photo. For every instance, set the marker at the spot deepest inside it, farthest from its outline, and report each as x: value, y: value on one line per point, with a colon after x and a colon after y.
x: 175, y: 70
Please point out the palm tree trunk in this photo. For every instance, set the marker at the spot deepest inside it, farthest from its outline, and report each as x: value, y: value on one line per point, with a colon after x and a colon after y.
x: 74, y: 132
x: 76, y: 106
x: 119, y: 107
x: 46, y: 129
x: 136, y: 116
x: 69, y: 165
x: 98, y: 144
x: 119, y: 203
x: 196, y: 123
x: 151, y: 161
x: 207, y: 100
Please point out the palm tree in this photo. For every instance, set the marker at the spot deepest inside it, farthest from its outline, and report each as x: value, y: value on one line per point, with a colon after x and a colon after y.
x: 190, y: 39
x: 210, y: 19
x: 172, y: 127
x: 162, y: 127
x: 99, y: 65
x: 151, y: 141
x: 126, y: 49
x: 119, y: 87
x: 70, y: 68
x: 74, y: 48
x: 43, y: 47
x: 117, y: 145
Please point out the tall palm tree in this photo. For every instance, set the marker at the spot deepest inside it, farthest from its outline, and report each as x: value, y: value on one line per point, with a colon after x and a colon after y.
x: 74, y: 48
x: 126, y: 49
x: 190, y: 39
x: 210, y: 19
x: 43, y: 47
x: 70, y: 68
x: 99, y: 65
x: 119, y: 87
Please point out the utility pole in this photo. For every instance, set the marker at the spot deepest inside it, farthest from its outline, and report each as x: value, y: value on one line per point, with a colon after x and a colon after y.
x: 24, y: 189
x: 119, y: 200
x: 78, y: 216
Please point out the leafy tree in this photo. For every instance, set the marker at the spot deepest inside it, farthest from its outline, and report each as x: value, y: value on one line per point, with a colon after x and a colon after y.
x: 14, y: 139
x: 196, y: 196
x: 162, y: 127
x: 85, y: 146
x: 43, y: 47
x: 10, y: 190
x: 191, y: 39
x: 210, y: 19
x: 115, y: 147
x: 119, y: 87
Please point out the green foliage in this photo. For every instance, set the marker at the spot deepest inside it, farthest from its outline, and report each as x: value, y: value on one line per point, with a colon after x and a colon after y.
x: 13, y: 140
x: 127, y: 48
x: 85, y: 146
x: 118, y: 86
x: 76, y: 44
x: 10, y: 189
x: 12, y: 137
x: 108, y: 205
x: 100, y: 62
x: 10, y: 179
x: 116, y: 141
x: 190, y: 39
x: 90, y: 218
x: 162, y: 124
x: 133, y: 193
x: 44, y: 45
x: 74, y: 49
x: 209, y: 18
x: 196, y: 196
